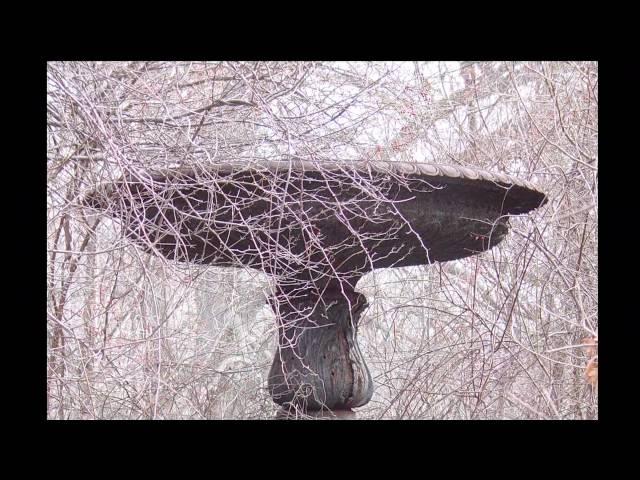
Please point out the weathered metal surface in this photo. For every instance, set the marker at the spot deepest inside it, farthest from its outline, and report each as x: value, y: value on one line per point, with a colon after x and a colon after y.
x: 318, y: 364
x: 317, y: 227
x: 281, y: 217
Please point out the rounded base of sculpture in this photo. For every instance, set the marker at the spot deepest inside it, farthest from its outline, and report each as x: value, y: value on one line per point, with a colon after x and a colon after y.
x: 285, y: 414
x: 318, y: 365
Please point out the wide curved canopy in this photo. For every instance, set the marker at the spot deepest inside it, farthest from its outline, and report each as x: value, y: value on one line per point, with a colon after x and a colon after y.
x: 317, y: 221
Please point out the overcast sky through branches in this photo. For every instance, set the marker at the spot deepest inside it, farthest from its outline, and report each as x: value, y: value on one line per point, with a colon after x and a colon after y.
x: 508, y: 334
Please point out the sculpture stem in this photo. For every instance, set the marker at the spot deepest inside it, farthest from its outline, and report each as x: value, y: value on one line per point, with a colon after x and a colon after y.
x: 318, y: 364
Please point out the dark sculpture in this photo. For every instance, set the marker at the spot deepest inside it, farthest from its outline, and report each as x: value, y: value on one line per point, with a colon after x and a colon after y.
x: 316, y: 228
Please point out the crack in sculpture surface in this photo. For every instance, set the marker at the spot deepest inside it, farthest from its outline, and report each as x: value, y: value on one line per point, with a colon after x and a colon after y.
x: 317, y: 228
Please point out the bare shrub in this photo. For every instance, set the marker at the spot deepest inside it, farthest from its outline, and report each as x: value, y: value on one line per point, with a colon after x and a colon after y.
x: 508, y: 334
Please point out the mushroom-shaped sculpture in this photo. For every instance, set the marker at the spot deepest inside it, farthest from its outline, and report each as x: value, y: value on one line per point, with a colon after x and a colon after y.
x: 316, y: 228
